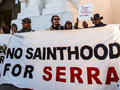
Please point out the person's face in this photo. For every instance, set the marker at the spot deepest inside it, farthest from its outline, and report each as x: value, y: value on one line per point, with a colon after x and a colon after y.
x: 85, y: 25
x: 69, y: 26
x: 98, y: 21
x: 56, y: 21
x: 26, y: 25
x: 13, y: 29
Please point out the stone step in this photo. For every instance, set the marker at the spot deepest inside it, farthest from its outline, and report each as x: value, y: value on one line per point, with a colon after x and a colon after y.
x: 58, y: 9
x: 43, y: 22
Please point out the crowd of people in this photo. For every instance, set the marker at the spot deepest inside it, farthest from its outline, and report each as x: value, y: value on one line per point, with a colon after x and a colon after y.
x: 55, y: 21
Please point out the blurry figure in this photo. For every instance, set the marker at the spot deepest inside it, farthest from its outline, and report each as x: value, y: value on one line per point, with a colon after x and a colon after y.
x: 76, y: 24
x: 92, y: 21
x: 55, y: 20
x: 5, y: 28
x: 26, y: 24
x: 96, y: 20
x: 68, y: 25
x: 85, y: 24
x: 14, y: 28
x: 1, y: 30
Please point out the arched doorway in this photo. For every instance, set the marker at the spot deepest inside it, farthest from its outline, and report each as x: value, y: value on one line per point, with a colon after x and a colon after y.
x: 5, y: 17
x: 8, y: 11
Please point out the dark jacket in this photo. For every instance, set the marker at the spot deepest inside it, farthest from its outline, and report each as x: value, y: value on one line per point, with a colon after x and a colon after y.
x: 23, y: 30
x: 59, y: 27
x: 100, y: 25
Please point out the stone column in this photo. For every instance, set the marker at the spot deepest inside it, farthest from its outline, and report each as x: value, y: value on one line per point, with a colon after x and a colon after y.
x: 55, y: 6
x: 24, y: 4
x: 35, y: 3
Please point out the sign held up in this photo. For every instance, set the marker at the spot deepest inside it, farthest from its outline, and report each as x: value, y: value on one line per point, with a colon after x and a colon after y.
x: 85, y: 12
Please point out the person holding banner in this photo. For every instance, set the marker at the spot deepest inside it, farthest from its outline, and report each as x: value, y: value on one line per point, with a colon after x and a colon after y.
x: 14, y: 28
x: 5, y: 28
x: 68, y: 25
x: 76, y: 24
x: 55, y: 20
x: 96, y: 20
x: 26, y: 23
x: 84, y: 24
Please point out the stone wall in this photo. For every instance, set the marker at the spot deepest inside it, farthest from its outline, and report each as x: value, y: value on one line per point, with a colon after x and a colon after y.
x: 103, y: 7
x: 109, y: 9
x: 116, y: 11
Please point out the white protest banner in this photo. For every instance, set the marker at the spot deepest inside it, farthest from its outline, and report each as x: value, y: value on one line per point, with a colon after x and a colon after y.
x: 85, y: 12
x: 85, y: 59
x: 4, y: 42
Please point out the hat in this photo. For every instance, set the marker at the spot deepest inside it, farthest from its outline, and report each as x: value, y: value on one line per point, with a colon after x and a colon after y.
x: 68, y: 22
x: 28, y: 20
x: 96, y: 16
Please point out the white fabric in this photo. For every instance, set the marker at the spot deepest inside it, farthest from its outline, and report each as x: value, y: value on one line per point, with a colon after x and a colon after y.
x: 85, y: 12
x: 68, y: 39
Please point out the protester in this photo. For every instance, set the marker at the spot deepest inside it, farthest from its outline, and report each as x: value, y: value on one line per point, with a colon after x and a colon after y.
x: 68, y: 25
x: 84, y: 24
x: 96, y: 20
x: 93, y: 22
x: 55, y: 20
x: 14, y: 28
x: 5, y: 28
x: 76, y: 24
x: 26, y: 24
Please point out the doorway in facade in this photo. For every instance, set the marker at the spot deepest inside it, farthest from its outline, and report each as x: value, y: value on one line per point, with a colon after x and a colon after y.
x: 6, y: 17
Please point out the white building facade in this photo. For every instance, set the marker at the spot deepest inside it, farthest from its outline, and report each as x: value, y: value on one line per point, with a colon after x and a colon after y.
x: 41, y: 11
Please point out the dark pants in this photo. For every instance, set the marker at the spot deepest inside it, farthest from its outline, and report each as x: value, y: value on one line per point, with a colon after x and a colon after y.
x: 8, y: 87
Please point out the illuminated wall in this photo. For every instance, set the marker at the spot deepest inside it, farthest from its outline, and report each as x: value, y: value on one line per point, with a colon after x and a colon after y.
x: 109, y: 9
x: 116, y: 11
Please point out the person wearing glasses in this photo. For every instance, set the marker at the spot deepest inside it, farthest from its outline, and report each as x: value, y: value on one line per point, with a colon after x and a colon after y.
x: 55, y: 20
x: 26, y: 24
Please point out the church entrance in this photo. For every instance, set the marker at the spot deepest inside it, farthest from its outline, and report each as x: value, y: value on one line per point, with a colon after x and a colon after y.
x: 8, y: 11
